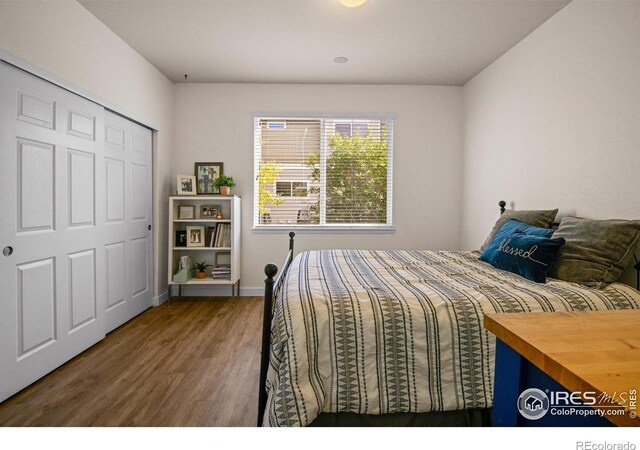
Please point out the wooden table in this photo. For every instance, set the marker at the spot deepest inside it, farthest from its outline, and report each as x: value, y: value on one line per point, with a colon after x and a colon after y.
x: 588, y: 352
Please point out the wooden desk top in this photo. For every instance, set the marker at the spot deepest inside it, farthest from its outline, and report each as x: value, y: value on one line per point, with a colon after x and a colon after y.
x: 583, y: 351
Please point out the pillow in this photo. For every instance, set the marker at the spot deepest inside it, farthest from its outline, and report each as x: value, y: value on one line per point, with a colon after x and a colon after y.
x: 513, y: 225
x: 541, y: 219
x: 524, y: 254
x: 597, y: 251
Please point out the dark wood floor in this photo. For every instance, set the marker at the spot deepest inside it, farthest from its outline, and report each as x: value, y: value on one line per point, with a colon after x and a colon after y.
x: 195, y: 363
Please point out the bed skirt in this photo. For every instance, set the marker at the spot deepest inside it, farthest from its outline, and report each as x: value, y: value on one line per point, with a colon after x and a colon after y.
x: 479, y: 417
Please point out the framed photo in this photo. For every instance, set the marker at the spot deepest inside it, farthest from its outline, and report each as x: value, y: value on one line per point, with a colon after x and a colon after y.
x: 195, y: 236
x: 206, y: 174
x: 186, y: 185
x: 209, y: 211
x: 181, y: 238
x: 186, y: 212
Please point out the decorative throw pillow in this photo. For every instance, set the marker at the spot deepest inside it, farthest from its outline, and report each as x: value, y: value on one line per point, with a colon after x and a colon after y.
x: 524, y: 254
x: 541, y: 219
x: 597, y: 251
x: 513, y: 225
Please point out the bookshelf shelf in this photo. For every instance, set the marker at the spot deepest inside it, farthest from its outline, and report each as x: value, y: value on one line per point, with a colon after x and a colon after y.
x: 201, y: 221
x: 223, y: 281
x: 188, y: 249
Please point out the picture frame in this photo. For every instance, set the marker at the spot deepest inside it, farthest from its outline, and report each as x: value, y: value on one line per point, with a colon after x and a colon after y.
x: 206, y: 173
x: 186, y: 185
x: 195, y: 236
x: 209, y: 211
x: 186, y: 212
x: 181, y: 238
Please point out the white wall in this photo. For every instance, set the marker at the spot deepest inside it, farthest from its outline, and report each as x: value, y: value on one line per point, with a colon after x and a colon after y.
x: 555, y: 122
x: 214, y: 123
x: 65, y: 39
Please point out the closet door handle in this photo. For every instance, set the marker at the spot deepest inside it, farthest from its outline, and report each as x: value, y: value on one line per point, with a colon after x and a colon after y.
x: 7, y: 251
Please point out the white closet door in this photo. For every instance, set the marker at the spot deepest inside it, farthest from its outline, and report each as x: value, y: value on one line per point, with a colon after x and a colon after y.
x: 52, y: 294
x: 127, y: 219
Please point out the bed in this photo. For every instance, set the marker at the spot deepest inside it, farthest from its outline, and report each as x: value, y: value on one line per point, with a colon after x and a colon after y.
x: 353, y: 336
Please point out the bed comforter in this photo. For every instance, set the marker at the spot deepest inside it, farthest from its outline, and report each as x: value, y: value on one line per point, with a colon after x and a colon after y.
x: 376, y: 332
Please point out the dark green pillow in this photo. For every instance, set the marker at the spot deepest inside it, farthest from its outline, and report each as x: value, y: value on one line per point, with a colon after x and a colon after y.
x: 542, y: 219
x: 596, y: 251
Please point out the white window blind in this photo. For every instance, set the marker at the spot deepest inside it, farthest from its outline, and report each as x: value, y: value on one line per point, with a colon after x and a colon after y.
x: 322, y: 172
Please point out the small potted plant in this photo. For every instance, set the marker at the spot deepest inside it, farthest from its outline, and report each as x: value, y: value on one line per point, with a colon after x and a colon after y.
x: 201, y: 269
x: 225, y: 184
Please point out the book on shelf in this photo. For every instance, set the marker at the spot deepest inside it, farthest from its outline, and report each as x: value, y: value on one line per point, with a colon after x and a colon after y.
x: 212, y: 235
x: 219, y: 235
x: 207, y: 237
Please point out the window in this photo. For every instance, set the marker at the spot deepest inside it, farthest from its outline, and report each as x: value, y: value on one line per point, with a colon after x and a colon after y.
x: 291, y: 188
x: 352, y: 129
x: 322, y: 172
x: 283, y: 188
x: 276, y: 125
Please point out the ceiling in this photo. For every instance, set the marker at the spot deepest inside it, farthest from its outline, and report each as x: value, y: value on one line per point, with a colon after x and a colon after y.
x: 437, y: 42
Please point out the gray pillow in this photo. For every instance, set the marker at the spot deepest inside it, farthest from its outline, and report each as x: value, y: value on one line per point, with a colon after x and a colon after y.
x: 542, y: 219
x: 596, y: 251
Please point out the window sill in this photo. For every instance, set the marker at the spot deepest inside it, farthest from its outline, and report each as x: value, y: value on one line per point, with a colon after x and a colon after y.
x: 326, y: 229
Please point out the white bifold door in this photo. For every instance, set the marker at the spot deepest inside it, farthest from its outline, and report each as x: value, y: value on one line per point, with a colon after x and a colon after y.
x: 75, y: 208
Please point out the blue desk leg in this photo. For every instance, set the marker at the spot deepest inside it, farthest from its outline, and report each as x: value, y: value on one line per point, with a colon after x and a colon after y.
x: 506, y: 386
x: 513, y: 375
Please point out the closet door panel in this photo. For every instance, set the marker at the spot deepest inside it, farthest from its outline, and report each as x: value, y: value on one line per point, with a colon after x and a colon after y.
x: 81, y: 172
x: 127, y: 171
x: 36, y: 303
x: 114, y: 174
x: 115, y: 274
x: 53, y: 299
x: 82, y: 284
x: 36, y: 179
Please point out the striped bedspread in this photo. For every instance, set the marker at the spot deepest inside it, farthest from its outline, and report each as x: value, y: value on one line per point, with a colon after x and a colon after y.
x: 376, y: 332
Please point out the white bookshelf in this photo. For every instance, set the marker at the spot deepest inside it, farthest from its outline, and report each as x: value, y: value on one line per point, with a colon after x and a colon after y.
x: 217, y: 256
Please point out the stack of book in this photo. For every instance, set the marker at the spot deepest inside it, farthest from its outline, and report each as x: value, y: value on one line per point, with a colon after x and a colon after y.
x: 221, y: 272
x: 219, y: 235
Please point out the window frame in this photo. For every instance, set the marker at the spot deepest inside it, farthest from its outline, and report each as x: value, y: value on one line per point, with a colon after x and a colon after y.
x: 325, y: 227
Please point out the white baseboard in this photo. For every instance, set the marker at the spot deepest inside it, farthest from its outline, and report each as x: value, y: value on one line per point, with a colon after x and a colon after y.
x: 215, y: 291
x: 160, y: 299
x: 252, y: 292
